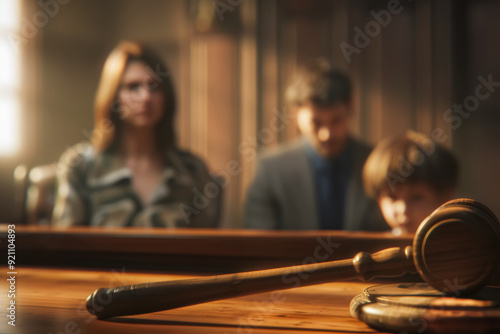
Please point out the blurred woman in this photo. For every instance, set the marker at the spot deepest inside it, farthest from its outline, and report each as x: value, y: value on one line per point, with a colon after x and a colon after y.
x: 132, y: 173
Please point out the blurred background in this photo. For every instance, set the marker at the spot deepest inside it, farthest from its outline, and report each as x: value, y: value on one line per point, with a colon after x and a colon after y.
x: 410, y: 62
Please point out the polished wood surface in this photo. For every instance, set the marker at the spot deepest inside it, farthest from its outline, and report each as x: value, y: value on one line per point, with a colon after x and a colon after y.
x: 53, y: 301
x: 157, y: 296
x: 415, y: 308
x: 456, y: 250
x: 56, y: 269
x: 201, y: 250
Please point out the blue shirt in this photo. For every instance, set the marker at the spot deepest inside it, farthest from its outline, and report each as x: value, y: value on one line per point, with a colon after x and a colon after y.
x: 331, y: 177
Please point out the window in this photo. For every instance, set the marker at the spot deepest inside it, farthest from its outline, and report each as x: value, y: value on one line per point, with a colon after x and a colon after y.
x: 9, y: 79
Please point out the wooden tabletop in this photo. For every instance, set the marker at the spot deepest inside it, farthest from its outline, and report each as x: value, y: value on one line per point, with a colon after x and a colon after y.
x: 57, y: 269
x: 53, y: 301
x: 193, y: 250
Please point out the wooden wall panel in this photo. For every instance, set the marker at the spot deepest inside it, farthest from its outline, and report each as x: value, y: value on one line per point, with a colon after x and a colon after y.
x: 231, y: 77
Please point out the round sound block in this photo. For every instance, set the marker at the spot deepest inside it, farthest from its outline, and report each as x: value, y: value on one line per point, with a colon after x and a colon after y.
x: 419, y: 308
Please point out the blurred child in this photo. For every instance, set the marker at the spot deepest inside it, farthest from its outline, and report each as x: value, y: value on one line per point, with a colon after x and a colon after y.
x: 410, y: 176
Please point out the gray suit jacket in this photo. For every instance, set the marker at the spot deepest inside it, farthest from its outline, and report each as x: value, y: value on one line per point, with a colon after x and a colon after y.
x: 283, y: 194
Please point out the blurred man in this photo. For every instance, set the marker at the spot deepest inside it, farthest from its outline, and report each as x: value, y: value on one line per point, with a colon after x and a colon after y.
x: 315, y: 182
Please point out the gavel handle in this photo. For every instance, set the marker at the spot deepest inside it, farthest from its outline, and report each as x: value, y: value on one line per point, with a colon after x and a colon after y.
x: 152, y: 297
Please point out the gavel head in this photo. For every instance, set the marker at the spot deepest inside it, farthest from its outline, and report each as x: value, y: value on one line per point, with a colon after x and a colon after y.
x: 457, y: 248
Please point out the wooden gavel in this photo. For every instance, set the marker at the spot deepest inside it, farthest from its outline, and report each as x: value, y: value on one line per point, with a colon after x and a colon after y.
x: 456, y: 250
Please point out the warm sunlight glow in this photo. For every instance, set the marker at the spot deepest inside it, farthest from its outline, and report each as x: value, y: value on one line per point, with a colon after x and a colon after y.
x: 9, y: 80
x: 9, y: 69
x: 9, y: 15
x: 9, y: 127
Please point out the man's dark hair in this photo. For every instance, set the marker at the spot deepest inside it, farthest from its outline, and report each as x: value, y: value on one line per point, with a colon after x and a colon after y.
x: 319, y: 84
